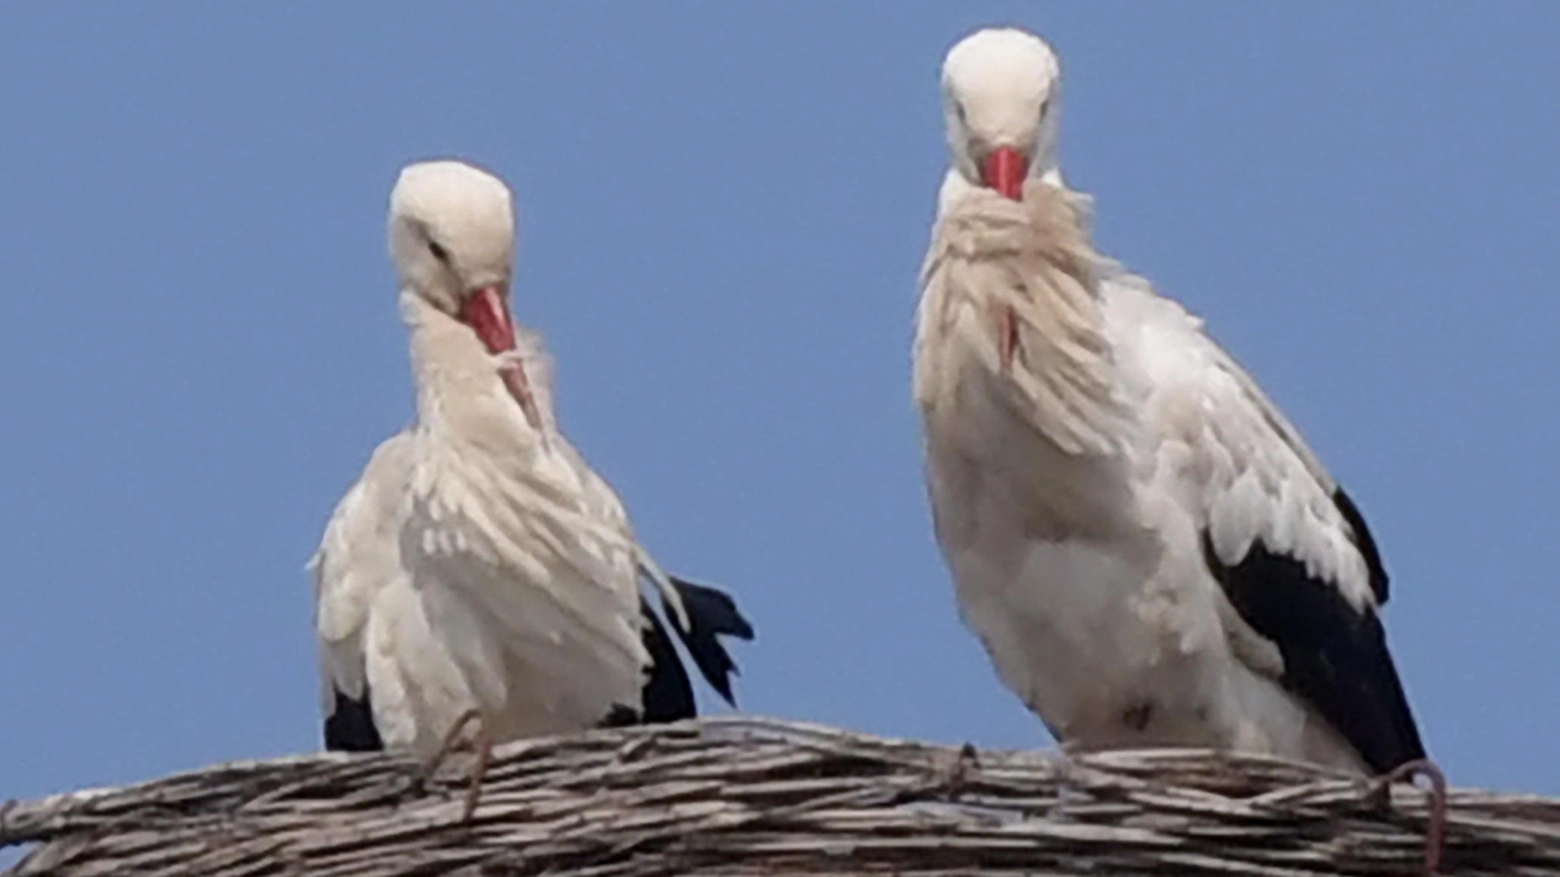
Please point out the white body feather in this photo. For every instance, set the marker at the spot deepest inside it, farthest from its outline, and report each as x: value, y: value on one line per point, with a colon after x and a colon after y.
x: 1071, y: 486
x: 479, y: 563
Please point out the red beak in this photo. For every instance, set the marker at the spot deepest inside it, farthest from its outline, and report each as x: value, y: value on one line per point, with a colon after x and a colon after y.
x: 1004, y: 171
x: 487, y: 313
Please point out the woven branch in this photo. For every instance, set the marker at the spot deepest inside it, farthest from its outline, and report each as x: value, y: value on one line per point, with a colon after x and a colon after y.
x: 745, y: 796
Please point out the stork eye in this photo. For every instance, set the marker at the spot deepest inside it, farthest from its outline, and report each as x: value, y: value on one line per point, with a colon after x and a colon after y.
x: 438, y: 251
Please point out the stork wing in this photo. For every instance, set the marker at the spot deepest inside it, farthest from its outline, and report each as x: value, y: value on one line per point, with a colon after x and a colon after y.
x: 701, y: 615
x: 356, y: 558
x: 1285, y: 543
x: 538, y: 573
x: 698, y: 613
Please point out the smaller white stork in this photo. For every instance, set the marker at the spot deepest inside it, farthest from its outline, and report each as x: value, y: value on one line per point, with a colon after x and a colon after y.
x: 1148, y: 550
x: 479, y: 566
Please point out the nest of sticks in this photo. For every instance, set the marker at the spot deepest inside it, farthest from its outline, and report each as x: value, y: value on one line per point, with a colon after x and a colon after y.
x: 743, y: 796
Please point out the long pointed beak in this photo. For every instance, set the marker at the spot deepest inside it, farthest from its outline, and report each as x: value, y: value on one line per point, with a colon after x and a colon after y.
x: 486, y: 311
x: 1004, y: 171
x: 519, y: 387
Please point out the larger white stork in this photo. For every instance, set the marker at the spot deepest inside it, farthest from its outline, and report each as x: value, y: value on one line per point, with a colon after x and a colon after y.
x: 1146, y: 547
x: 479, y: 564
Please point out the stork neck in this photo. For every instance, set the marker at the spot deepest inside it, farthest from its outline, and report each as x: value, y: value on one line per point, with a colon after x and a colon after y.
x: 956, y: 185
x: 459, y: 392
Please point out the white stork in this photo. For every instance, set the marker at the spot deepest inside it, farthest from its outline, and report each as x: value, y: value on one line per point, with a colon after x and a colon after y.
x: 479, y: 566
x: 1145, y: 546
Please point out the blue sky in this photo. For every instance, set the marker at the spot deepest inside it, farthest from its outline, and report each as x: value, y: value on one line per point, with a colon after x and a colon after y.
x: 723, y: 208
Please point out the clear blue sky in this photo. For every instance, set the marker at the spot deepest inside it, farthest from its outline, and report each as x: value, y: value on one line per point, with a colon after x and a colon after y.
x: 723, y: 208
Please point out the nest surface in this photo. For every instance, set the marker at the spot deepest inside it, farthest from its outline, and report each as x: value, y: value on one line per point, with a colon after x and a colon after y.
x: 752, y: 796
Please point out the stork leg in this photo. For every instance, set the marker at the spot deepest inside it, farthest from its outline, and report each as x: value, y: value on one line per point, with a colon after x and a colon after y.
x: 1435, y: 830
x: 481, y: 742
x: 484, y: 746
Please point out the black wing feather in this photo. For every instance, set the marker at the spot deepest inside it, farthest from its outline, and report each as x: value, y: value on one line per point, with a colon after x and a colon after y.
x: 350, y: 726
x: 1335, y: 657
x: 1365, y: 542
x: 711, y: 613
x: 668, y: 694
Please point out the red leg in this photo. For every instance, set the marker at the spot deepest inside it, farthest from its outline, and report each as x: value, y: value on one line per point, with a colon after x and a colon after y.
x: 1435, y: 831
x: 484, y: 747
x: 482, y: 743
x: 451, y: 738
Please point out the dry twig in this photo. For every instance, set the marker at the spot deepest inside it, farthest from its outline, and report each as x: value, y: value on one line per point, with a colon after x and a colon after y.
x: 746, y: 796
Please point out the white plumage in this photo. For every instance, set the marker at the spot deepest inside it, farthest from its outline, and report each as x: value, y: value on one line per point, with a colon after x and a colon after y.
x: 1146, y: 547
x: 479, y: 563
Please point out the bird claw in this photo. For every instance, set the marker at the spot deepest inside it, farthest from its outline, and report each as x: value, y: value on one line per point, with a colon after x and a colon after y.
x: 481, y: 742
x: 1435, y: 829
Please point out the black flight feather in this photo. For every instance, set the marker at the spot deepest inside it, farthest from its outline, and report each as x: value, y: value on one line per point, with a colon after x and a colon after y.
x: 1335, y: 656
x: 668, y: 694
x: 711, y: 613
x: 350, y: 725
x: 1365, y: 542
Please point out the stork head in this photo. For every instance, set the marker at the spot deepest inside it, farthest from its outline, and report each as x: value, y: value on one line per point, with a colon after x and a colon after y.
x: 1001, y: 91
x: 452, y: 238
